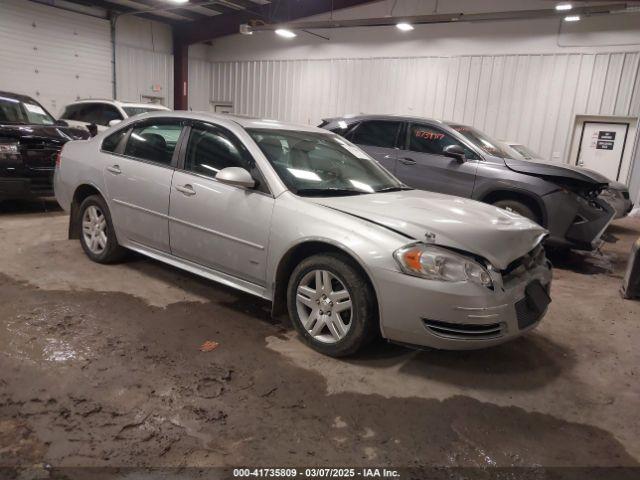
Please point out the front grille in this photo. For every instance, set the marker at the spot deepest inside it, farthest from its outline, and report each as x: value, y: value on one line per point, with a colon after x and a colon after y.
x: 526, y: 314
x: 463, y: 331
x: 39, y: 154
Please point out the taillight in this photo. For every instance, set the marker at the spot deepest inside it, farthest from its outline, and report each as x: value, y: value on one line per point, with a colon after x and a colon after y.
x: 58, y: 159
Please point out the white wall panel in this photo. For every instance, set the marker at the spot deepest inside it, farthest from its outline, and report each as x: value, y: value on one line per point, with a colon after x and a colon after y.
x: 53, y: 55
x: 139, y: 71
x: 527, y: 98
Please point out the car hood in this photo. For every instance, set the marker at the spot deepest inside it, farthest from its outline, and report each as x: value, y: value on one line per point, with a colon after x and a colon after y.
x: 55, y: 134
x: 549, y: 169
x: 497, y: 235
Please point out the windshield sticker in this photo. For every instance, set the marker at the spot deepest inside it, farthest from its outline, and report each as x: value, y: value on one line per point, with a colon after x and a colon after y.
x: 461, y: 129
x: 428, y: 135
x: 35, y: 109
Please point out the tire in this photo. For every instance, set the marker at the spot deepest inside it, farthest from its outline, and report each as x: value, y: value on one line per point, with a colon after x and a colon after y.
x: 360, y: 320
x: 519, y: 208
x: 94, y: 210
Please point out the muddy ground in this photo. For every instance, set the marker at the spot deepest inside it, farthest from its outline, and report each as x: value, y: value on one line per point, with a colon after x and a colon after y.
x: 100, y: 366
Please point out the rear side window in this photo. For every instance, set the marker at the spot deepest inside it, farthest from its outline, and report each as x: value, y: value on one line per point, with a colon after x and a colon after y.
x: 431, y: 140
x: 111, y: 143
x: 376, y: 133
x: 73, y: 112
x: 106, y: 113
x: 154, y: 142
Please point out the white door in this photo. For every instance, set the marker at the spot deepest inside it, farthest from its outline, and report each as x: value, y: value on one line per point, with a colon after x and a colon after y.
x: 602, y: 147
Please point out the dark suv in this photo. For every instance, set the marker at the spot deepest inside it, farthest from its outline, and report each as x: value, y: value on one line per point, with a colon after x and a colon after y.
x: 460, y: 160
x: 30, y: 139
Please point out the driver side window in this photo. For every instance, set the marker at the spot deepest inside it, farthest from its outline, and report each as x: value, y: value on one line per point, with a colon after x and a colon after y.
x: 211, y: 148
x: 431, y: 140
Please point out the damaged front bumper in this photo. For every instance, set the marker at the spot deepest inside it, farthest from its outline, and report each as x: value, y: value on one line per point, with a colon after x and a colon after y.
x: 463, y: 316
x: 576, y: 222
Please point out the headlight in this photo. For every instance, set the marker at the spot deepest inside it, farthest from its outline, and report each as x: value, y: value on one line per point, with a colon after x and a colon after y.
x: 9, y: 149
x: 437, y: 263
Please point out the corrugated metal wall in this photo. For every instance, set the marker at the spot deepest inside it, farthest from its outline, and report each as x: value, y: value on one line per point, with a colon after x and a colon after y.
x: 139, y: 71
x: 528, y: 98
x: 53, y: 55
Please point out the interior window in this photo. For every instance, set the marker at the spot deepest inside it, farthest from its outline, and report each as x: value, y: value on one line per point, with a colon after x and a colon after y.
x: 431, y: 140
x: 154, y: 142
x: 376, y: 133
x: 110, y: 144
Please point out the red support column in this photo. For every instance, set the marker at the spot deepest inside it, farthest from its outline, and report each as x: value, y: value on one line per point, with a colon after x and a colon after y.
x: 180, y: 74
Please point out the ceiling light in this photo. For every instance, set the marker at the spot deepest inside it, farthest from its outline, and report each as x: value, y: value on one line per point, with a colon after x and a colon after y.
x: 572, y: 18
x: 179, y: 1
x: 564, y: 6
x: 283, y: 32
x: 404, y: 26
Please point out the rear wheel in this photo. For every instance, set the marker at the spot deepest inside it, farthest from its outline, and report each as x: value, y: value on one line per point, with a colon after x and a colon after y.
x: 331, y: 305
x: 97, y: 235
x: 519, y: 208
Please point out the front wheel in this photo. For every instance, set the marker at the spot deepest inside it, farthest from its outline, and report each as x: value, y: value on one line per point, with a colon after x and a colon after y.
x: 517, y: 207
x: 332, y: 305
x: 97, y: 237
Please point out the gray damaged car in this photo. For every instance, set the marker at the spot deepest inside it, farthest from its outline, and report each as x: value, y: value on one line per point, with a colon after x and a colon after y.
x: 460, y: 160
x: 307, y: 220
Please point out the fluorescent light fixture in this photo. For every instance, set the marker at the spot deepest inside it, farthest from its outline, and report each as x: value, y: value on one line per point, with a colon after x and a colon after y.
x: 283, y: 32
x: 572, y: 18
x: 564, y: 6
x: 179, y: 1
x: 404, y: 26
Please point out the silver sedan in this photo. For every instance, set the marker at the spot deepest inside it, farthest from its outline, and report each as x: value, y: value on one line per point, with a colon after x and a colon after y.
x: 307, y: 220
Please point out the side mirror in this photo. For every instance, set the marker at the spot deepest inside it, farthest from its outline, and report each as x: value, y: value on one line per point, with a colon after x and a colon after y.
x: 62, y: 123
x: 236, y: 176
x: 114, y: 122
x: 455, y: 151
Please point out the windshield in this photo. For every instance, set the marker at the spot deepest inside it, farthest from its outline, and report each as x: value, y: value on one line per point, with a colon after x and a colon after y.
x: 319, y: 164
x: 131, y: 111
x: 524, y: 151
x: 482, y: 141
x: 28, y: 113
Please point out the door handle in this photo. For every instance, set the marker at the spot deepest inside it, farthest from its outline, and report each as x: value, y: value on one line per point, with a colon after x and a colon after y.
x: 408, y: 161
x: 115, y: 169
x: 186, y: 190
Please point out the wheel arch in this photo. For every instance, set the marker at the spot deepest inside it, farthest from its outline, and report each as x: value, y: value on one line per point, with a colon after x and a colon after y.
x: 81, y: 192
x: 529, y: 199
x: 298, y: 253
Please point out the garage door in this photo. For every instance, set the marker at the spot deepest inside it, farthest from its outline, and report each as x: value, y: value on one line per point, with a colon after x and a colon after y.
x: 53, y: 55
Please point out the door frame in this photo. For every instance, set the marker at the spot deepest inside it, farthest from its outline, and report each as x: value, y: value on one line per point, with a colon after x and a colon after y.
x: 624, y: 142
x: 628, y: 151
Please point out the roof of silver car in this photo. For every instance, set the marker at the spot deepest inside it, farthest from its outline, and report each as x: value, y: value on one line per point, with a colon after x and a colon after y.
x: 242, y: 120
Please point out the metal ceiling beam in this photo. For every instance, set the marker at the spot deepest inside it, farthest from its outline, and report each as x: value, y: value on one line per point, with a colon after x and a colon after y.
x: 277, y: 11
x: 444, y: 18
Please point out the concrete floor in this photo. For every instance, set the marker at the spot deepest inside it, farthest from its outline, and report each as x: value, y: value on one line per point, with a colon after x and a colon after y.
x: 101, y: 367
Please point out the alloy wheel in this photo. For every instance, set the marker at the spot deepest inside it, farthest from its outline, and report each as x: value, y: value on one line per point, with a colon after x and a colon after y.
x: 324, y: 306
x: 94, y: 229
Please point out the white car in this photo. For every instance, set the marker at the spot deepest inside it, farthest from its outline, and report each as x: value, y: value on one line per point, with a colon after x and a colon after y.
x: 104, y: 113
